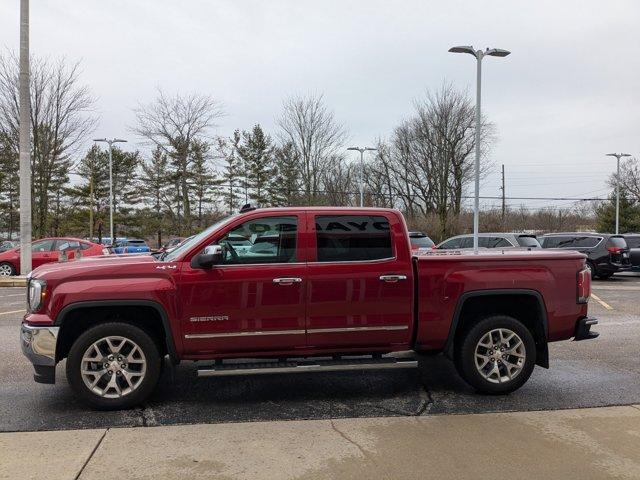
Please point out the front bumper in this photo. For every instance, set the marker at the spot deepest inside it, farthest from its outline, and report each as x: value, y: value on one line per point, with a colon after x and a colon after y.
x: 583, y: 329
x: 39, y: 346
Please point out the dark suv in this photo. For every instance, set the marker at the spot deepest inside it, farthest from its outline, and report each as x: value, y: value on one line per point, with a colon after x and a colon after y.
x: 633, y: 242
x: 606, y: 253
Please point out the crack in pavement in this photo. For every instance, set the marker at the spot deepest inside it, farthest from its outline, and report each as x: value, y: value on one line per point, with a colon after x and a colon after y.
x: 426, y: 404
x: 84, y: 465
x: 353, y: 442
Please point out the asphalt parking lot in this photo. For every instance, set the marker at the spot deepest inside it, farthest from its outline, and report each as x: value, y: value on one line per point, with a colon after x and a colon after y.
x: 602, y: 372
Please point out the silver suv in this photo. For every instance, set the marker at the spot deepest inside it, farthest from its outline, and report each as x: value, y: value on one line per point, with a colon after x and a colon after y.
x: 491, y: 240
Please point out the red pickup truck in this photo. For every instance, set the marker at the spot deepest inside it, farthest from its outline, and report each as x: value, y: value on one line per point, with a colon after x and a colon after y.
x: 300, y: 290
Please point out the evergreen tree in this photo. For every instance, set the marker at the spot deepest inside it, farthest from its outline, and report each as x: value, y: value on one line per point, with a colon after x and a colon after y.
x: 154, y: 185
x: 256, y: 151
x: 232, y: 171
x: 629, y: 214
x: 203, y: 181
x: 285, y: 188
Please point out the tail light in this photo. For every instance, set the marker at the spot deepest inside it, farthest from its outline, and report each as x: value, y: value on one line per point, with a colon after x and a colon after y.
x: 584, y: 285
x: 614, y: 249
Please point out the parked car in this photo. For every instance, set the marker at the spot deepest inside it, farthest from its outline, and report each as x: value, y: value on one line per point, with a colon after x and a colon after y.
x: 606, y: 253
x: 48, y: 250
x: 330, y: 289
x: 7, y: 245
x: 420, y: 240
x: 130, y: 245
x: 491, y: 240
x: 633, y: 242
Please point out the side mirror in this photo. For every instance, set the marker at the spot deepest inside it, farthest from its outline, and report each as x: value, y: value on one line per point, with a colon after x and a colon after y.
x: 211, y: 255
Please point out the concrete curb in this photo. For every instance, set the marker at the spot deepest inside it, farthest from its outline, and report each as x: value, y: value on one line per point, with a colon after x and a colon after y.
x: 16, y: 281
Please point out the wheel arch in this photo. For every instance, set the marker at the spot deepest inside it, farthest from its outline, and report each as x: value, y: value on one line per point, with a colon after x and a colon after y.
x: 512, y: 302
x: 158, y: 321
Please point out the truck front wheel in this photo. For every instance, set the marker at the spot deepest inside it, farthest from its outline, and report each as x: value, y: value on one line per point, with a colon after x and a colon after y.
x: 496, y: 355
x: 113, y: 366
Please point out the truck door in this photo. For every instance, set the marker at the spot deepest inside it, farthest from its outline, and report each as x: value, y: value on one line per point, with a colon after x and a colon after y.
x: 253, y: 301
x: 360, y: 281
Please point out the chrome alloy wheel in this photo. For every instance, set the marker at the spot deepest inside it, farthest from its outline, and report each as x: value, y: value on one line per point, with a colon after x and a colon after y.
x: 113, y: 367
x: 5, y: 270
x: 500, y: 355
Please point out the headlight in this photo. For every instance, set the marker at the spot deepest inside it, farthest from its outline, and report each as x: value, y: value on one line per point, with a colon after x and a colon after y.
x: 36, y: 294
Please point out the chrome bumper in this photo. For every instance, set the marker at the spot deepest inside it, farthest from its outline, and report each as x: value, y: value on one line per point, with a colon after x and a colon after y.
x: 39, y: 346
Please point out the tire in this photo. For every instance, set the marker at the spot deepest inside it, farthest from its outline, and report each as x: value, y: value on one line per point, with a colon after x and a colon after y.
x: 592, y: 268
x: 7, y: 270
x: 605, y: 276
x: 105, y: 342
x: 511, y: 373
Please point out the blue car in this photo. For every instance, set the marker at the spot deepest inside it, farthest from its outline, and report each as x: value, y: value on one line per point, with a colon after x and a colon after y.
x: 130, y: 245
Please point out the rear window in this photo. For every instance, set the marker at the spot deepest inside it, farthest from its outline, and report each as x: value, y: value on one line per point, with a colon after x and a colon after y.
x: 526, y: 241
x: 618, y: 242
x: 348, y: 238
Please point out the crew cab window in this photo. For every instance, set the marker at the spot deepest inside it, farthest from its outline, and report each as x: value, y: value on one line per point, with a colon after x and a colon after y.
x: 263, y: 240
x: 349, y: 238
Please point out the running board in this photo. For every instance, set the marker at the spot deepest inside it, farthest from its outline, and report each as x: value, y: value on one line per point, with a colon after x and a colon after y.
x: 306, y: 365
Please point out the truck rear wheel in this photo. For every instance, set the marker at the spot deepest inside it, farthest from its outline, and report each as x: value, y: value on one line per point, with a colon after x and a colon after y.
x: 113, y: 366
x: 496, y: 355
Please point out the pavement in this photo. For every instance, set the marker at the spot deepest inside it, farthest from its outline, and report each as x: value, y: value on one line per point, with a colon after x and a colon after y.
x: 579, y: 419
x: 597, y: 443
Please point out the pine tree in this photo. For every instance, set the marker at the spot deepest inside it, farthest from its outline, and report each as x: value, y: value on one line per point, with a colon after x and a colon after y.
x: 203, y: 181
x: 154, y: 185
x: 256, y: 151
x: 232, y: 171
x: 629, y: 214
x: 285, y: 188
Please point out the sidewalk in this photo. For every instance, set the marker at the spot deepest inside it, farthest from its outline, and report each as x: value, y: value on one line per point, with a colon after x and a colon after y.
x: 582, y: 444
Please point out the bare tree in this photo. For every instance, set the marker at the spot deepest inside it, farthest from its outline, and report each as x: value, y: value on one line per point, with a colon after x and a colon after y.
x: 316, y: 137
x: 61, y: 119
x: 629, y: 178
x: 173, y: 123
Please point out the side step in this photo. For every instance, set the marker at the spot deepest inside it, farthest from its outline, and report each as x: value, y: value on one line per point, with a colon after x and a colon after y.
x: 306, y: 365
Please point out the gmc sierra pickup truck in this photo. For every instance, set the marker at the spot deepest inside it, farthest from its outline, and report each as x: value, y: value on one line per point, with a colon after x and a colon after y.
x: 301, y: 290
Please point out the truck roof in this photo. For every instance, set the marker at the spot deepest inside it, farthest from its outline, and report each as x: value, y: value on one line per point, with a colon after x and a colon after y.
x: 331, y: 209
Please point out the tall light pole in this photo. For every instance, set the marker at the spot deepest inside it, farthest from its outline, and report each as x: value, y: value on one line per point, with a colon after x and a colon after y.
x: 618, y: 156
x: 25, y: 143
x: 362, y: 150
x: 110, y: 143
x: 479, y: 54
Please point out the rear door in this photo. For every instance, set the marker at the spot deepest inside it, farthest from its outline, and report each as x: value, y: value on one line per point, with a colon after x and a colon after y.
x: 360, y: 284
x: 634, y: 245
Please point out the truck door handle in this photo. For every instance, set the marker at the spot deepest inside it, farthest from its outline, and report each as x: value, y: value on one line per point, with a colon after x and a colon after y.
x: 392, y: 278
x: 287, y: 280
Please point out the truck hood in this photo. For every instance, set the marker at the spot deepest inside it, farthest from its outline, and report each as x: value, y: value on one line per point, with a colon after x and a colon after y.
x: 91, y: 264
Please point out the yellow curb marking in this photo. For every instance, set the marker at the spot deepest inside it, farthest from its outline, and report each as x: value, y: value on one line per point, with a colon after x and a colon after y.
x: 604, y: 304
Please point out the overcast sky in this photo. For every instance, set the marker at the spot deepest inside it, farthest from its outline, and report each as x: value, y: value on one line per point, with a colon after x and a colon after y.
x: 568, y: 93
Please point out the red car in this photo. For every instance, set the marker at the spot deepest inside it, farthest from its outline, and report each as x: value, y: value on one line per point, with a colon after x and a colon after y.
x: 48, y: 250
x: 319, y: 289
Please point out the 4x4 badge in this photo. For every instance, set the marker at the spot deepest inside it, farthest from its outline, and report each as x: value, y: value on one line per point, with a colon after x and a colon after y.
x: 162, y: 267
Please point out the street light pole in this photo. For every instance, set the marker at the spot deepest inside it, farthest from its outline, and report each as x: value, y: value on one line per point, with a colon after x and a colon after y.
x: 362, y: 150
x: 479, y: 54
x: 25, y: 143
x: 618, y: 156
x: 110, y: 143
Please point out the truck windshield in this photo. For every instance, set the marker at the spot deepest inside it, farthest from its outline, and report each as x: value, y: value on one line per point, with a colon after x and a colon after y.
x: 189, y: 243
